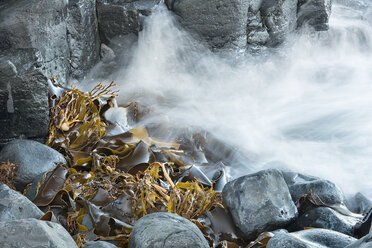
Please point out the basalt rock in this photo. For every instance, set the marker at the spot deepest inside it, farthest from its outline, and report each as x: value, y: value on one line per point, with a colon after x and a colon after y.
x: 259, y: 202
x: 33, y: 159
x: 34, y: 233
x: 23, y: 95
x: 312, y: 238
x: 166, y: 230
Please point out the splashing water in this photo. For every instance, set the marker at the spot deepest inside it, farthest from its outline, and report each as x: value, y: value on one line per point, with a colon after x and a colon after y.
x: 305, y: 106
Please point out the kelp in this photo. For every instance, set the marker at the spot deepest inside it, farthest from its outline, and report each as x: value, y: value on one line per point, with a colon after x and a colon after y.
x: 7, y: 173
x: 111, y: 181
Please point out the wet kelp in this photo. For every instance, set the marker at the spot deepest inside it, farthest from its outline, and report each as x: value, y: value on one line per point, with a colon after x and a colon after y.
x: 113, y: 180
x: 7, y: 173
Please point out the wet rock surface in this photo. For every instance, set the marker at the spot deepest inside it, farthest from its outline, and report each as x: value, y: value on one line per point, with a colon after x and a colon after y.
x: 23, y: 95
x: 259, y: 202
x: 359, y: 203
x: 312, y: 238
x: 300, y: 185
x: 33, y: 159
x: 327, y: 218
x: 34, y: 233
x: 314, y: 13
x: 365, y: 242
x: 14, y: 206
x: 166, y: 230
x: 99, y: 244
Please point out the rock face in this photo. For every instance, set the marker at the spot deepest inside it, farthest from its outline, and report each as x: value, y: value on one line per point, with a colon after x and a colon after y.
x: 34, y: 233
x: 327, y: 218
x: 14, y: 206
x: 259, y: 202
x: 222, y: 24
x: 327, y: 191
x: 37, y: 24
x: 166, y: 230
x: 82, y: 36
x: 365, y: 242
x: 33, y: 159
x: 315, y: 13
x: 312, y: 238
x: 23, y: 95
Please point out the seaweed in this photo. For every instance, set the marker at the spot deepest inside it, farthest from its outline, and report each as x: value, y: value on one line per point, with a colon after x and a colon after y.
x: 7, y: 173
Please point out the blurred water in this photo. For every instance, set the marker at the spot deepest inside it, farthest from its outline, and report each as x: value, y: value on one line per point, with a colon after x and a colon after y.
x: 305, y: 106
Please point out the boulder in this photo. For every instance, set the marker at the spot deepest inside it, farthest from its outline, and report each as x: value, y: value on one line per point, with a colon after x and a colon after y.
x: 365, y: 242
x: 14, y: 206
x: 118, y: 18
x: 33, y: 159
x: 39, y: 24
x: 315, y: 13
x: 34, y: 233
x: 166, y: 230
x: 300, y: 185
x: 99, y: 244
x: 359, y: 203
x: 280, y: 18
x: 221, y: 24
x: 82, y: 36
x: 259, y: 202
x: 23, y: 95
x: 311, y: 238
x: 327, y: 218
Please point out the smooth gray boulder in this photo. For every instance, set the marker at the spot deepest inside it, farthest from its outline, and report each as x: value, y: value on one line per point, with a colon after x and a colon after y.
x: 14, y: 206
x: 314, y: 13
x: 259, y: 202
x: 24, y: 107
x: 162, y: 229
x: 99, y: 244
x: 327, y: 218
x: 365, y: 242
x: 82, y: 36
x: 311, y: 238
x: 33, y: 159
x: 300, y: 185
x: 358, y: 203
x: 34, y: 233
x: 39, y: 24
x: 280, y: 18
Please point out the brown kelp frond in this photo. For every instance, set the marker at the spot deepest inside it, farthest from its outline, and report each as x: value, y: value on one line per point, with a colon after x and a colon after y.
x: 7, y: 173
x: 75, y: 121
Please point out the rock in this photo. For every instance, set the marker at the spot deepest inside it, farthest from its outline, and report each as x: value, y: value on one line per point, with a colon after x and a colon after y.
x: 259, y: 202
x: 166, y: 230
x: 82, y: 36
x: 300, y: 185
x: 120, y: 18
x: 23, y: 95
x: 359, y: 203
x: 99, y: 244
x: 33, y: 158
x: 365, y: 242
x: 107, y: 54
x: 14, y: 206
x: 280, y: 18
x: 256, y: 31
x: 39, y: 24
x: 222, y: 24
x: 315, y: 13
x: 311, y: 238
x: 327, y: 218
x: 34, y: 233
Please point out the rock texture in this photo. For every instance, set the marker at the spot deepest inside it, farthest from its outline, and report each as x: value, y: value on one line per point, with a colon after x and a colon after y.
x: 315, y: 13
x: 259, y: 202
x: 34, y: 233
x: 300, y: 184
x: 14, y: 206
x: 365, y: 242
x: 82, y: 36
x: 33, y: 159
x: 359, y: 203
x: 312, y: 238
x: 327, y: 218
x: 99, y: 244
x: 23, y: 95
x: 159, y: 230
